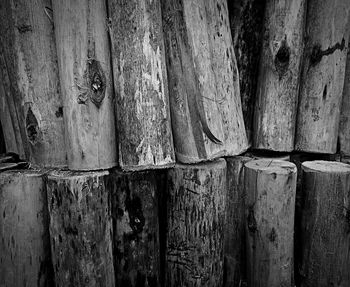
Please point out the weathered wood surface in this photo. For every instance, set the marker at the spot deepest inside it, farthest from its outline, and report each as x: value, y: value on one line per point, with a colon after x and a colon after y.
x: 325, y: 224
x: 140, y: 79
x: 86, y: 83
x: 246, y: 21
x: 261, y: 154
x: 270, y: 201
x: 136, y: 228
x: 278, y: 84
x: 205, y: 103
x: 30, y: 98
x: 327, y: 34
x: 80, y: 228
x: 25, y: 258
x: 234, y: 227
x: 195, y: 232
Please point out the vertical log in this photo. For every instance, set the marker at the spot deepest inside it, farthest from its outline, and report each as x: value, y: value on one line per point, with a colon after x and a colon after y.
x: 80, y: 228
x: 136, y: 228
x: 323, y: 75
x: 270, y: 202
x: 205, y: 103
x: 142, y: 103
x: 29, y: 91
x: 278, y: 84
x: 325, y: 224
x: 25, y: 258
x: 246, y: 21
x: 196, y: 211
x: 86, y: 82
x: 234, y: 228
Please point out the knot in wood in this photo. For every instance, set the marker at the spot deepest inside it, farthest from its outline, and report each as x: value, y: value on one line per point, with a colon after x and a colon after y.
x: 282, y: 59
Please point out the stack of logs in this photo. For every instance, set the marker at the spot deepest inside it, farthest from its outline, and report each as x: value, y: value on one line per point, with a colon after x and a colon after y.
x: 174, y: 143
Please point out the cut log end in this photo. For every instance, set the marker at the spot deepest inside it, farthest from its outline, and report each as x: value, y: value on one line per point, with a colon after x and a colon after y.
x: 272, y: 166
x: 326, y: 166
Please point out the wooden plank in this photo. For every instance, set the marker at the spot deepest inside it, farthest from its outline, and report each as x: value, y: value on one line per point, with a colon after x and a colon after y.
x: 140, y: 79
x: 278, y: 83
x: 80, y: 228
x: 136, y: 228
x: 29, y: 90
x: 195, y: 233
x: 205, y: 103
x: 270, y: 202
x: 327, y: 34
x: 325, y: 224
x: 25, y: 258
x: 86, y: 83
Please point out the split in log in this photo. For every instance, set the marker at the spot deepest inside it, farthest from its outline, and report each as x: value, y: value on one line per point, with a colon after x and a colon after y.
x: 234, y: 228
x: 322, y: 79
x: 31, y: 105
x: 325, y: 233
x: 25, y: 258
x: 136, y: 228
x: 246, y: 21
x: 205, y: 103
x: 80, y: 228
x: 140, y: 79
x: 270, y: 196
x: 278, y: 84
x: 86, y: 83
x: 195, y: 232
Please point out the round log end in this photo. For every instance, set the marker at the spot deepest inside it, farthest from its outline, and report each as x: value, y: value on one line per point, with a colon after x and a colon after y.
x: 326, y: 166
x: 218, y: 163
x: 272, y: 166
x: 66, y: 174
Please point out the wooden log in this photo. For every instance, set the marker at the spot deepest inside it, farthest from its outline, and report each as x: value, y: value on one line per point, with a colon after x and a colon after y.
x: 80, y: 228
x: 325, y: 224
x: 2, y: 140
x: 270, y: 202
x: 195, y: 233
x: 86, y: 83
x: 30, y: 84
x: 234, y: 228
x: 140, y: 79
x: 260, y: 154
x: 323, y: 76
x: 136, y: 228
x: 246, y: 22
x: 278, y: 83
x: 205, y: 103
x: 25, y: 258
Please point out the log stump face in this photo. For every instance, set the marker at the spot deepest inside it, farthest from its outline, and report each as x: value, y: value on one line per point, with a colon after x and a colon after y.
x: 80, y: 229
x: 325, y: 233
x: 196, y: 211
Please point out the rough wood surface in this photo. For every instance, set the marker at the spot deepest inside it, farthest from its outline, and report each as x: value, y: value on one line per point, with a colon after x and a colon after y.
x: 325, y: 230
x: 136, y: 228
x: 25, y: 258
x: 30, y: 98
x: 234, y: 228
x: 86, y: 83
x: 205, y: 103
x: 195, y: 233
x: 246, y: 21
x: 140, y: 79
x: 270, y: 201
x: 80, y: 228
x: 322, y: 79
x: 278, y: 84
x: 260, y: 154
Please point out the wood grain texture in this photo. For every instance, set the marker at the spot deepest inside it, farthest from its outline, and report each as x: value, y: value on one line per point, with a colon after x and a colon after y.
x: 246, y: 22
x: 140, y: 79
x: 80, y: 228
x: 195, y: 233
x: 25, y: 258
x: 234, y: 228
x: 270, y: 202
x: 86, y: 82
x: 325, y: 224
x: 31, y: 105
x: 279, y: 74
x: 136, y: 228
x: 205, y: 103
x: 327, y: 34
